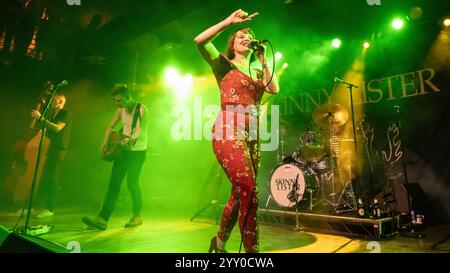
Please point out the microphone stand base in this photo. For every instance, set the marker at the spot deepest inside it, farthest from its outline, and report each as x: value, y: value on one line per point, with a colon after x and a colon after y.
x: 299, y: 228
x: 35, y: 230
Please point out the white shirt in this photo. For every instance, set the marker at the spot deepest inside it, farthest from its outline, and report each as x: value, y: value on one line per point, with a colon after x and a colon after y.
x: 140, y: 132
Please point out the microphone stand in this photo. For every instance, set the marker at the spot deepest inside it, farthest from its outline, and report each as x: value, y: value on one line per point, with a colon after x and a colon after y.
x: 295, y: 195
x: 350, y: 86
x: 43, y: 118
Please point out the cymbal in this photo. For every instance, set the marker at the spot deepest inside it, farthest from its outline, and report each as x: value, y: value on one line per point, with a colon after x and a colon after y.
x: 337, y: 113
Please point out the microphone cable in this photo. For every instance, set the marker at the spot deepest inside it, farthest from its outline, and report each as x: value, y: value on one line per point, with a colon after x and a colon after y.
x: 264, y: 64
x: 244, y: 225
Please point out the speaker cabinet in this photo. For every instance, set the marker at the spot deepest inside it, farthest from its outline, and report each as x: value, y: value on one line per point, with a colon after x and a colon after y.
x: 397, y: 198
x: 414, y: 194
x: 11, y: 242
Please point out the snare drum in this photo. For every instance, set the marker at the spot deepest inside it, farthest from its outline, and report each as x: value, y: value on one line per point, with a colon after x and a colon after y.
x: 325, y: 164
x: 321, y: 165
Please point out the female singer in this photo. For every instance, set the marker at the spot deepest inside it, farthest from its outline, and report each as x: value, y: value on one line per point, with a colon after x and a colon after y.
x: 238, y: 152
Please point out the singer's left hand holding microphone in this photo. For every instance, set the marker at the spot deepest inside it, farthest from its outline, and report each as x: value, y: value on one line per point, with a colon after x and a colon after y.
x: 260, y: 52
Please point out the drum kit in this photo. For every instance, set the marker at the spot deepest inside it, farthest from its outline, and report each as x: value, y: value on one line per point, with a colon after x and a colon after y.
x: 306, y: 178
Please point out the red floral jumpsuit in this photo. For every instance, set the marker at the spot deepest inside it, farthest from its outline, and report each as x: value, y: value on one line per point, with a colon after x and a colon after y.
x: 238, y: 153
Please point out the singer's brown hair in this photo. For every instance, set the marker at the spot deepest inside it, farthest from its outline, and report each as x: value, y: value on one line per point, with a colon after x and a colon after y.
x: 230, y: 51
x: 121, y: 89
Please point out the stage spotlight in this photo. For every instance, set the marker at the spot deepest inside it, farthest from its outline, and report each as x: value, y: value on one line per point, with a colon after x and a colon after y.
x: 281, y: 70
x: 278, y: 56
x: 171, y: 76
x: 181, y: 85
x: 366, y: 45
x: 446, y: 22
x: 398, y: 23
x: 336, y: 43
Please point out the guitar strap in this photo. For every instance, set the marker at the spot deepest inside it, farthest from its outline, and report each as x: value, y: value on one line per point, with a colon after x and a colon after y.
x: 137, y: 112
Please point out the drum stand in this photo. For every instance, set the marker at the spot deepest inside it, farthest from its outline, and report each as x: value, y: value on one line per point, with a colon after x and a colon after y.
x: 348, y: 185
x: 324, y: 199
x: 311, y: 205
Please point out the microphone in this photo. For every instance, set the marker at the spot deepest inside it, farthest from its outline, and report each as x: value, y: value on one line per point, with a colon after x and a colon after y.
x: 63, y: 83
x: 256, y: 43
x: 336, y: 79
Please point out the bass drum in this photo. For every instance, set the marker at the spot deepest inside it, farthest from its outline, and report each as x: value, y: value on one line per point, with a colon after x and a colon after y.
x: 291, y: 184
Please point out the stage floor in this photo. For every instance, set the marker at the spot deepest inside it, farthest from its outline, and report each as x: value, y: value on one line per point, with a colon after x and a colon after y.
x: 177, y: 234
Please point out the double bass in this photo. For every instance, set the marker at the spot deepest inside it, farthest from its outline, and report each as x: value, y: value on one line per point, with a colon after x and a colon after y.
x: 17, y: 184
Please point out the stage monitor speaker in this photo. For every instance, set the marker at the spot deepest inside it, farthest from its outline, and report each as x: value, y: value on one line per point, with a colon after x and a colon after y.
x: 397, y: 198
x: 12, y: 242
x: 414, y: 194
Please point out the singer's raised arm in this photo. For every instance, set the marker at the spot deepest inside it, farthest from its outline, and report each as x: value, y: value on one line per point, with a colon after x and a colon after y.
x: 204, y: 39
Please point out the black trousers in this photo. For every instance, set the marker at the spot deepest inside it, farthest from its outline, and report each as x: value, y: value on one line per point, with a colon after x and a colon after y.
x: 129, y: 164
x: 49, y: 178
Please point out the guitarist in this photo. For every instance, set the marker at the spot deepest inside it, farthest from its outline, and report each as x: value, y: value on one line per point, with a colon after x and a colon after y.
x: 134, y: 119
x: 58, y: 126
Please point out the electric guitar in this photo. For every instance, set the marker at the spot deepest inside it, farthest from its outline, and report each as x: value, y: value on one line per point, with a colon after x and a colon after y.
x: 117, y: 143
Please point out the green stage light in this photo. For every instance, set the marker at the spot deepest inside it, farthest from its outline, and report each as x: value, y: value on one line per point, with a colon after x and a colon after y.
x: 171, y: 76
x: 181, y: 85
x: 278, y: 56
x: 336, y: 43
x: 366, y: 45
x: 398, y: 23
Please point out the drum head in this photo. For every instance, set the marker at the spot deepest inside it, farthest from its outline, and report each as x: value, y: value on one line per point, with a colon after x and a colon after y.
x: 287, y: 185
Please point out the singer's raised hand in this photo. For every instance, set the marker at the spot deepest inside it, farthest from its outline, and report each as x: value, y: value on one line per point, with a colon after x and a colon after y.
x: 240, y: 16
x: 205, y: 38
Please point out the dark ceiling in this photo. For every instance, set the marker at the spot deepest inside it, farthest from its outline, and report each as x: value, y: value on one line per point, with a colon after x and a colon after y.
x: 103, y: 28
x: 132, y: 18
